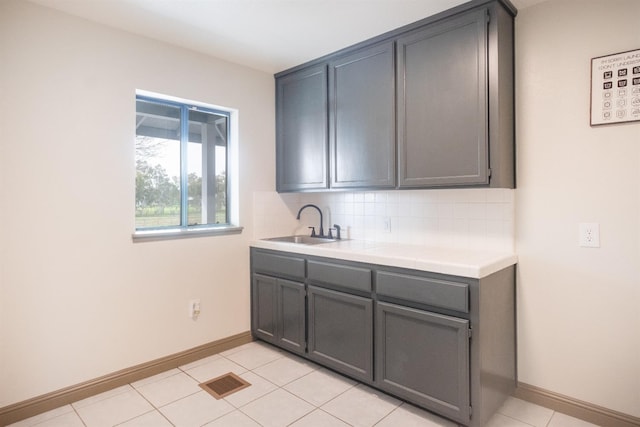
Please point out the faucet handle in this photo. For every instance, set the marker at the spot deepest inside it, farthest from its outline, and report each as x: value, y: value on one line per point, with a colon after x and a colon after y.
x: 337, y: 228
x: 330, y: 235
x: 313, y: 231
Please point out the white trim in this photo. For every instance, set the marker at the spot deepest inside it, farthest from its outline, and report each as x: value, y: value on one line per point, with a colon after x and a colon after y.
x: 182, y: 233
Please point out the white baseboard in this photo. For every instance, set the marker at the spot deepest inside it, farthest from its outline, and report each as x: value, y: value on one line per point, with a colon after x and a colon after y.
x: 576, y: 408
x: 37, y: 405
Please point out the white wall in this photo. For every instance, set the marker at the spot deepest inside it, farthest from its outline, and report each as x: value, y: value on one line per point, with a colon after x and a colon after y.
x: 578, y: 308
x: 78, y: 299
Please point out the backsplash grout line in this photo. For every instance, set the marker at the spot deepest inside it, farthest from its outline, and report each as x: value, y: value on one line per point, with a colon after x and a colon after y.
x: 461, y: 218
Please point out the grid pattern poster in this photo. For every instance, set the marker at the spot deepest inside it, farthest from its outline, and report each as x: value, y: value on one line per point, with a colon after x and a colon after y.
x: 615, y: 88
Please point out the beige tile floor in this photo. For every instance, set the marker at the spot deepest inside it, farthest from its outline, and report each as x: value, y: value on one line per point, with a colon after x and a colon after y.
x: 285, y: 391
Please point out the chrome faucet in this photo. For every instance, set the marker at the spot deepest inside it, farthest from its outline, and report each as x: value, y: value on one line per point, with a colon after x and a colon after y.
x: 320, y: 212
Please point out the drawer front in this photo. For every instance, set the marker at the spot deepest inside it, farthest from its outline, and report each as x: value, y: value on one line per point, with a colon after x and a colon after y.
x: 278, y: 265
x: 342, y: 276
x: 424, y: 290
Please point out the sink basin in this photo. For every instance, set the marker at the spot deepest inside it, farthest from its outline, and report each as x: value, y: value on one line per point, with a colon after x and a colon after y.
x: 301, y: 240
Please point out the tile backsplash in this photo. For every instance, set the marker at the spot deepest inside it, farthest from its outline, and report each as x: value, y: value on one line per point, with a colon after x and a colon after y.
x: 460, y: 218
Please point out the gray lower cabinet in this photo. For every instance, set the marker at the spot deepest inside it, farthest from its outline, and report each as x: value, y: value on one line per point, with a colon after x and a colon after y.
x: 341, y: 332
x: 445, y: 343
x: 264, y: 310
x: 424, y: 358
x: 278, y: 312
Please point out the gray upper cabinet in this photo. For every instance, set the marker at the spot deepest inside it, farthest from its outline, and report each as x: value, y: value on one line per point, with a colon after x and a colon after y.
x: 428, y: 105
x: 301, y: 130
x: 442, y: 103
x: 362, y: 119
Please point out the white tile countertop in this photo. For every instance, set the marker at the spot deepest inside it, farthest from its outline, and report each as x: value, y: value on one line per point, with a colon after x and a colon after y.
x: 475, y: 264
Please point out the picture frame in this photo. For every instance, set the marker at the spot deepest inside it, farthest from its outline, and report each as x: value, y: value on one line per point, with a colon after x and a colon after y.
x: 615, y: 88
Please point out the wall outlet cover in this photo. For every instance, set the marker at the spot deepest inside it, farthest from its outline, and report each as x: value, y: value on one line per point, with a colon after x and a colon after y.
x: 589, y: 235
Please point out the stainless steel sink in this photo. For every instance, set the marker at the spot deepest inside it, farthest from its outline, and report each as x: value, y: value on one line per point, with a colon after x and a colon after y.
x: 302, y: 240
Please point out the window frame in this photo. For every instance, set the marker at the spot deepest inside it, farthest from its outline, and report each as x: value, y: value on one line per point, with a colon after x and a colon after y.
x: 185, y: 230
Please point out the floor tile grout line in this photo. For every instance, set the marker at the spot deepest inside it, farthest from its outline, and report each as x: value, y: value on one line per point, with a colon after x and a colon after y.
x: 133, y: 418
x: 267, y: 379
x: 156, y: 381
x: 97, y: 400
x: 79, y: 417
x: 73, y: 411
x: 314, y: 407
x: 249, y: 416
x: 199, y: 362
x: 323, y: 403
x: 173, y: 401
x: 194, y: 378
x: 281, y: 355
x: 522, y: 421
x: 256, y: 367
x: 550, y: 418
x: 389, y: 414
x: 178, y: 372
x: 340, y: 394
x: 357, y: 383
x: 302, y: 416
x: 254, y: 399
x: 335, y: 416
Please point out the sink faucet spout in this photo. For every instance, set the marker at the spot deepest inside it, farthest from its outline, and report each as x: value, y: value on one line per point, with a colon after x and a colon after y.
x: 321, y: 230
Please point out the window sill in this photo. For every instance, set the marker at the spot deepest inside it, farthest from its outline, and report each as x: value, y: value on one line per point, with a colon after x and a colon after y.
x: 182, y: 233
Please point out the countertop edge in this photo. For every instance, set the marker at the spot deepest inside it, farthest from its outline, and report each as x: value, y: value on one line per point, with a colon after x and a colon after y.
x: 464, y: 263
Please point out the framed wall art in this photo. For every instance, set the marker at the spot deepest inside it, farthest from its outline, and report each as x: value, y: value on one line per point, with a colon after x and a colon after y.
x: 615, y: 88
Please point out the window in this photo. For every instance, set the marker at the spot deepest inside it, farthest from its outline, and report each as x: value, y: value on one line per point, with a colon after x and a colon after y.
x: 182, y: 159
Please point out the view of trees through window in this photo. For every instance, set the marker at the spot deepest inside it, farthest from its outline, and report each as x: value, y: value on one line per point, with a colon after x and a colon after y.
x: 181, y: 158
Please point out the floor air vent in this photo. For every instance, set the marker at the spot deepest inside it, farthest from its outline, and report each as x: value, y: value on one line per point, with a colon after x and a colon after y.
x: 224, y: 385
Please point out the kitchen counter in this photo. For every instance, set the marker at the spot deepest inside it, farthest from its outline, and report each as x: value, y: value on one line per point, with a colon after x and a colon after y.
x: 475, y: 264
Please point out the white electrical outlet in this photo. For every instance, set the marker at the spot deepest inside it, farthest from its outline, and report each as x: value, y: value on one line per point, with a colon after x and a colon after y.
x: 386, y: 224
x: 589, y: 235
x: 194, y: 309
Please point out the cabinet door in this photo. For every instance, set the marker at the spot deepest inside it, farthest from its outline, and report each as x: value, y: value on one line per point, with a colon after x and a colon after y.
x: 278, y: 312
x: 341, y: 332
x: 301, y: 130
x: 442, y: 103
x: 424, y: 358
x: 264, y: 306
x: 362, y: 119
x: 291, y: 316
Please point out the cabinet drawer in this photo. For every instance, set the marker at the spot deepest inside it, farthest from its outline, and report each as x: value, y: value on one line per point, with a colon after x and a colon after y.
x: 280, y: 265
x: 424, y: 290
x: 342, y: 276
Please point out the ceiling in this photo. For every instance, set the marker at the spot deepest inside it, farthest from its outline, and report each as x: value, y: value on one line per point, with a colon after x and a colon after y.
x: 268, y: 35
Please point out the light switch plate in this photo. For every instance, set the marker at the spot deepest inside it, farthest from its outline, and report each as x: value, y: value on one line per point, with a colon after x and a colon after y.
x: 589, y: 235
